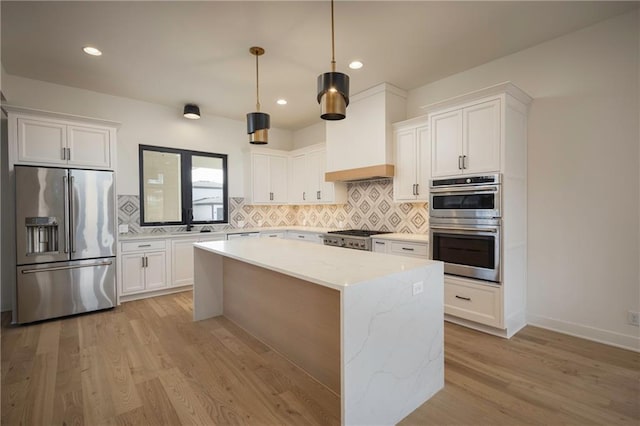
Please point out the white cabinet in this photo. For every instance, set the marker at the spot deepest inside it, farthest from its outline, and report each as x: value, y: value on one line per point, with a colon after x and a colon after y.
x: 56, y: 139
x: 267, y: 180
x: 272, y: 234
x: 311, y: 237
x: 401, y: 248
x: 182, y: 259
x: 474, y: 302
x: 306, y: 179
x: 143, y: 266
x: 413, y: 160
x: 243, y: 235
x: 466, y: 140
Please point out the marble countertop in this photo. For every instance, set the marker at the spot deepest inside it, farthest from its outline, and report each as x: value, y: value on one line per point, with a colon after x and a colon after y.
x: 198, y: 234
x: 411, y: 238
x: 332, y: 267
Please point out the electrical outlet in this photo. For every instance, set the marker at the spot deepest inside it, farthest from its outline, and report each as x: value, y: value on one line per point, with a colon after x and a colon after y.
x: 123, y: 229
x: 418, y: 288
x: 633, y: 318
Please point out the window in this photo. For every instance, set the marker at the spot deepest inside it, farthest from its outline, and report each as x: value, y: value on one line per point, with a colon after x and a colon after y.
x: 181, y: 187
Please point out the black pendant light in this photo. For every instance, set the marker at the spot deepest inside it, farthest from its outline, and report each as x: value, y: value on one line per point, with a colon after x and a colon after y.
x: 258, y: 123
x: 191, y: 111
x: 333, y: 87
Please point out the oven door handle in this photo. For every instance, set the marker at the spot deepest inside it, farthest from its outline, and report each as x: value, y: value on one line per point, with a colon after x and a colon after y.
x: 477, y: 230
x: 469, y: 189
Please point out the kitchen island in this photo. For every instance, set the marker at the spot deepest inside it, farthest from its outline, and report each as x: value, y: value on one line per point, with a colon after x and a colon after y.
x: 368, y: 326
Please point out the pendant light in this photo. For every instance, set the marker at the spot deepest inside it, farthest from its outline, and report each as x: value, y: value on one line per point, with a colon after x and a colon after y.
x: 333, y: 87
x: 258, y: 123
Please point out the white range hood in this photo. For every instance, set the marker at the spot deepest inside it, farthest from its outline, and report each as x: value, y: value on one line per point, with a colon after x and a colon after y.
x: 360, y: 147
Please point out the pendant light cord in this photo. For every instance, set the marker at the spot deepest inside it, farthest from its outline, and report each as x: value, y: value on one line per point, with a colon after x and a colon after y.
x: 257, y: 86
x: 333, y: 43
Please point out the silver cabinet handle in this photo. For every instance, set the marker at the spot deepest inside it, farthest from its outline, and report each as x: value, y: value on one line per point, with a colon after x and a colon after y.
x: 144, y: 245
x: 468, y: 299
x: 142, y: 258
x: 379, y: 242
x: 407, y: 248
x: 68, y: 153
x: 318, y: 195
x: 417, y: 189
x: 465, y: 163
x: 304, y: 196
x: 413, y: 189
x: 72, y: 234
x: 300, y: 236
x: 65, y: 194
x: 62, y: 268
x: 273, y: 236
x: 460, y: 162
x: 64, y: 153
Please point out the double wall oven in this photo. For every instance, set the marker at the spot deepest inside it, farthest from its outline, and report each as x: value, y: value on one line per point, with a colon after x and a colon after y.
x: 465, y: 226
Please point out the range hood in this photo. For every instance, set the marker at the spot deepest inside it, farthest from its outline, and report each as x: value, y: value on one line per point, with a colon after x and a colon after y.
x: 361, y: 173
x: 360, y: 147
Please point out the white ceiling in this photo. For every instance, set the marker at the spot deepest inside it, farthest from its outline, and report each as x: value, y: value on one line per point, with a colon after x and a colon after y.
x: 177, y: 52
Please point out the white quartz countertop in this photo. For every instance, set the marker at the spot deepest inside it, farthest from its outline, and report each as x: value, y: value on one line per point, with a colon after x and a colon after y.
x: 198, y: 234
x: 411, y: 238
x: 333, y: 267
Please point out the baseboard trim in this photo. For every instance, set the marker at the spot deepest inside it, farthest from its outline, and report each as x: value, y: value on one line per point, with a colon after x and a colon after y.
x: 146, y: 295
x: 606, y: 337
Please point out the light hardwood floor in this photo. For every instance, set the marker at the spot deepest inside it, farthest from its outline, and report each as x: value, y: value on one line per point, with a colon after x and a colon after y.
x: 147, y: 363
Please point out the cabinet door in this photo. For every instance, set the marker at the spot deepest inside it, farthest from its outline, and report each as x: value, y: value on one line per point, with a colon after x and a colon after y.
x: 315, y: 167
x: 481, y: 137
x: 423, y: 144
x: 278, y: 178
x: 379, y: 246
x: 297, y: 180
x: 406, y: 161
x: 155, y: 272
x: 446, y: 143
x: 41, y: 142
x: 89, y: 146
x: 182, y: 262
x: 132, y: 274
x: 260, y: 176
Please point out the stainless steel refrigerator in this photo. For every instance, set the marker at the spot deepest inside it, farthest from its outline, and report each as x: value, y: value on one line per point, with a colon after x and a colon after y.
x: 65, y: 242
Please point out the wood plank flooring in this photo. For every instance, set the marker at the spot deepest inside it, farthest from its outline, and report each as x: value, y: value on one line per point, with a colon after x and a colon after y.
x: 147, y: 363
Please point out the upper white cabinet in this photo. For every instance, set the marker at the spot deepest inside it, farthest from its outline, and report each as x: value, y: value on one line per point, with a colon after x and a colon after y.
x: 267, y: 177
x: 306, y: 179
x: 413, y: 160
x: 361, y: 144
x: 467, y: 140
x: 42, y: 138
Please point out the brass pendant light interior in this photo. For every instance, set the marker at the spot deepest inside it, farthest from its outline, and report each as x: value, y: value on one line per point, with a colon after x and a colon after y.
x: 258, y: 123
x: 333, y: 87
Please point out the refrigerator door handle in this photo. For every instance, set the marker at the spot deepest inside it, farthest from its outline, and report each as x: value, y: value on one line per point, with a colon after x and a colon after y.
x: 72, y: 234
x: 62, y: 268
x: 65, y: 193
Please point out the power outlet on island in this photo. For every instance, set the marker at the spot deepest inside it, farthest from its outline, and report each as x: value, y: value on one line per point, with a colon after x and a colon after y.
x: 418, y: 288
x: 633, y: 318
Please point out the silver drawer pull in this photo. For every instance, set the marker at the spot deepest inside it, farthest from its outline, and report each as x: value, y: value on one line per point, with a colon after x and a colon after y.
x: 62, y: 268
x: 463, y: 298
x: 144, y: 245
x: 273, y: 236
x: 300, y: 236
x: 407, y: 249
x: 379, y: 242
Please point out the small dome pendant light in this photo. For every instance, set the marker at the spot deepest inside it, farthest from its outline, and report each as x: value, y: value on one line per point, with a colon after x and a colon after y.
x: 258, y: 123
x: 333, y: 87
x: 191, y: 111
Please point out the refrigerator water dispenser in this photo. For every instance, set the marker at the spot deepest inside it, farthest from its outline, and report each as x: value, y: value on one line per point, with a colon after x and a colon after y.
x: 42, y: 235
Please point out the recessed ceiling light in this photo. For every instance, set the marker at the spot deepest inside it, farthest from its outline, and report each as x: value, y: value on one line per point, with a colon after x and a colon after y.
x: 356, y: 65
x: 89, y: 50
x: 281, y: 101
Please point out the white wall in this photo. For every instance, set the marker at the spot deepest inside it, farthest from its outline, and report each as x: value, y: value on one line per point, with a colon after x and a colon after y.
x: 583, y: 162
x: 310, y: 135
x: 145, y: 123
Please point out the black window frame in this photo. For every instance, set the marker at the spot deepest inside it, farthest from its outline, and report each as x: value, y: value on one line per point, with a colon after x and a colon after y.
x: 186, y: 190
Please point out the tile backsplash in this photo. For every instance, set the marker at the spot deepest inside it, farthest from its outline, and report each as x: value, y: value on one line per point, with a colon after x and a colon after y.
x: 369, y: 205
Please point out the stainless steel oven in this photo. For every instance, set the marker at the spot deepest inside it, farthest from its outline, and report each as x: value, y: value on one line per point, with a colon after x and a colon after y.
x: 465, y: 226
x: 468, y: 247
x: 466, y: 197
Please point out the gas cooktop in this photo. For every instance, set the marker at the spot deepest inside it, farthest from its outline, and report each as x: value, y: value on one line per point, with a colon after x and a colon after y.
x: 359, y: 239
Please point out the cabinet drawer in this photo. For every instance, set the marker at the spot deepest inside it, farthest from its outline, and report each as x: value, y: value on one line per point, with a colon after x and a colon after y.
x: 130, y: 246
x: 409, y: 249
x: 475, y: 302
x: 243, y: 235
x: 272, y: 235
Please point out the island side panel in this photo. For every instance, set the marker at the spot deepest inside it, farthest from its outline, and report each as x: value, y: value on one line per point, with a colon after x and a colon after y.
x: 299, y: 319
x: 393, y: 346
x: 207, y: 284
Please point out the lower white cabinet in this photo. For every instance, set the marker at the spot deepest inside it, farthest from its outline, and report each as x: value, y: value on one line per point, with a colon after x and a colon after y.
x: 243, y: 235
x: 401, y: 248
x: 275, y: 234
x: 182, y: 259
x: 311, y: 237
x: 143, y: 266
x: 481, y: 303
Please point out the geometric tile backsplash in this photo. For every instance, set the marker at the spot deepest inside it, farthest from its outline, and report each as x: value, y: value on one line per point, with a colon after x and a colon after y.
x: 369, y: 206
